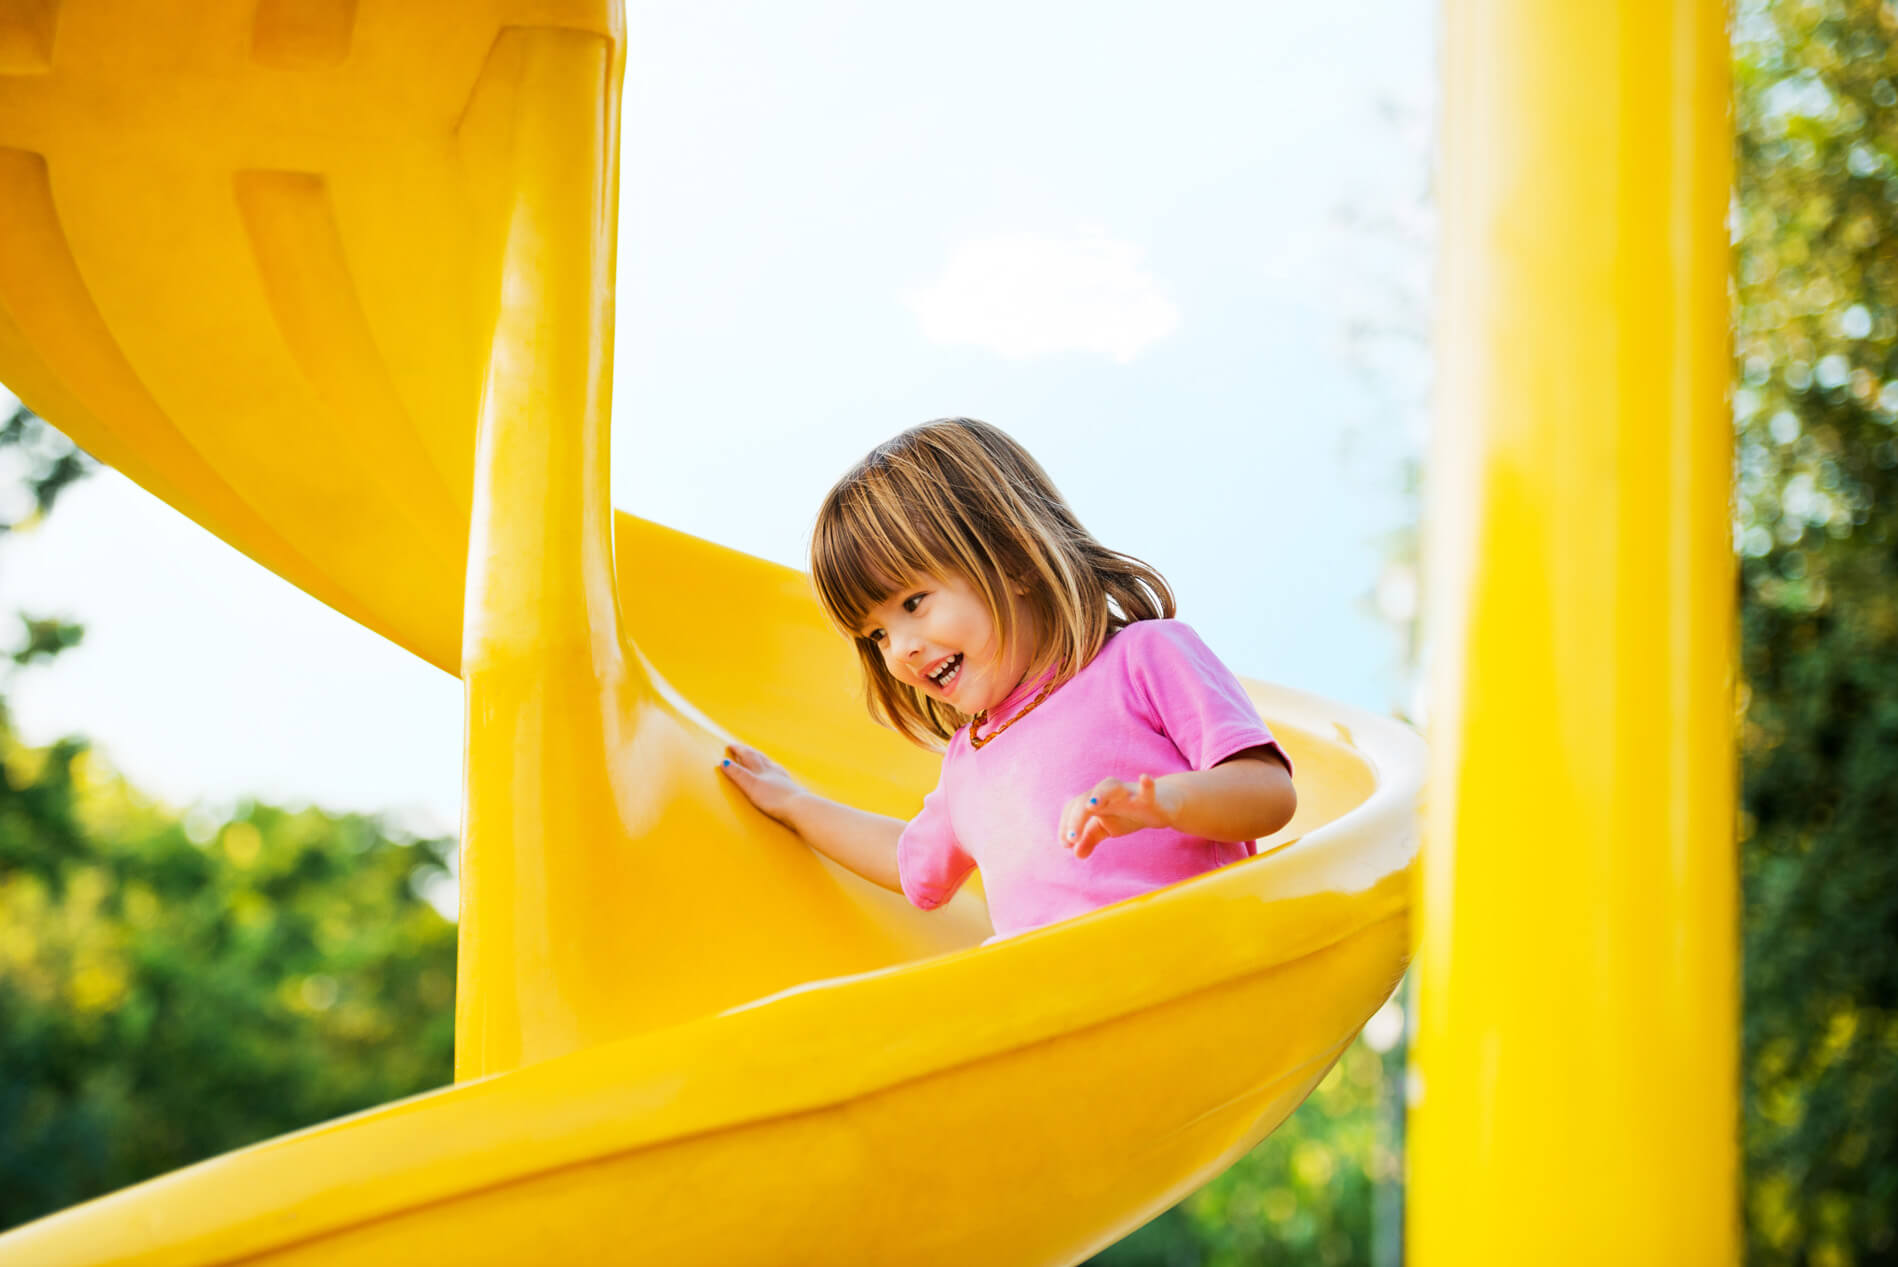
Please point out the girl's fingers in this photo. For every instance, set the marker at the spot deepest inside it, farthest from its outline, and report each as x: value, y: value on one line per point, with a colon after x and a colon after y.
x: 1112, y: 807
x: 748, y: 759
x: 1070, y: 825
x: 1076, y: 820
x: 1093, y: 831
x: 1087, y: 819
x: 1072, y: 837
x: 1107, y: 794
x: 744, y: 763
x: 1119, y: 795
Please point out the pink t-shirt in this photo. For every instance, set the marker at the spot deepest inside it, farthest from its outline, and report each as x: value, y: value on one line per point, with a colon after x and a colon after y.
x: 1154, y: 701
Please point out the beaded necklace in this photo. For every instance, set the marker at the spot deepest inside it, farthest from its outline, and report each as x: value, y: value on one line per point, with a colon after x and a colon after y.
x: 976, y: 741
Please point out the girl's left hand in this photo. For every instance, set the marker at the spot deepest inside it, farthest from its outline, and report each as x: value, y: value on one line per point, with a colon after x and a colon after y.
x: 1114, y: 808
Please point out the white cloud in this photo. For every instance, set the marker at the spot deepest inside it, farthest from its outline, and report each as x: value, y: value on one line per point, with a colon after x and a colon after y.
x: 1025, y: 295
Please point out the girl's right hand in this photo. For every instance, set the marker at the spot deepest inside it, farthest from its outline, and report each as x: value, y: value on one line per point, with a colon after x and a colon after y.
x: 762, y: 780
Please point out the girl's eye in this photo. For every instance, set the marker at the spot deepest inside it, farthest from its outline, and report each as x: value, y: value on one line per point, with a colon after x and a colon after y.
x: 875, y: 635
x: 914, y: 601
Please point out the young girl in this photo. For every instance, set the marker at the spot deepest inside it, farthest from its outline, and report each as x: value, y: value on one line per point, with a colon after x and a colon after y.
x: 1096, y: 748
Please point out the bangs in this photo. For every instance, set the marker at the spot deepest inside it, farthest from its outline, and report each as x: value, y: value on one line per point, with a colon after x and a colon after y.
x: 864, y: 549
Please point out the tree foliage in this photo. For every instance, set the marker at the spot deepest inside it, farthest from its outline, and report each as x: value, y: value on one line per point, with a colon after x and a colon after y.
x: 172, y: 986
x: 37, y: 464
x: 1816, y: 311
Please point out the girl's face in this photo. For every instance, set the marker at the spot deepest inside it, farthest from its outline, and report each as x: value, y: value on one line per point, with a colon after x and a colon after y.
x: 936, y: 635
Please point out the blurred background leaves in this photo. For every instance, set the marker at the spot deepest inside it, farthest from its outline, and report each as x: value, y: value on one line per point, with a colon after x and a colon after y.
x: 176, y: 985
x: 1815, y: 404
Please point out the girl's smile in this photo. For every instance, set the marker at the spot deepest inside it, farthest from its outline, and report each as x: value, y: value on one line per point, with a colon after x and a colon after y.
x: 946, y: 673
x: 936, y: 634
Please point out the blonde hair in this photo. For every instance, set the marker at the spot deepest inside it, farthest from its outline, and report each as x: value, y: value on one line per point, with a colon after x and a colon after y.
x: 959, y: 496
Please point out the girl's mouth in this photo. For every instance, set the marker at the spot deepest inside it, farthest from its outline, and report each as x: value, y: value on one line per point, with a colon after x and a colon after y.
x: 946, y: 676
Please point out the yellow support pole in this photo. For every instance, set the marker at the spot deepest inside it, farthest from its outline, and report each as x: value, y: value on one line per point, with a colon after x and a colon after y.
x: 541, y: 640
x: 1575, y: 1098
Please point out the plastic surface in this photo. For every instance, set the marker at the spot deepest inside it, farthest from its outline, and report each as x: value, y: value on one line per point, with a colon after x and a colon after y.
x: 1577, y: 1095
x: 336, y: 281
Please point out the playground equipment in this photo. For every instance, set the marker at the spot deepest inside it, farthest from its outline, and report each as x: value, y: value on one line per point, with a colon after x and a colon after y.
x: 1577, y: 978
x: 335, y: 280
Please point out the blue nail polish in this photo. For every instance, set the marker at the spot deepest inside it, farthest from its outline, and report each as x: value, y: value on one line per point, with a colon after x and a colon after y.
x: 1093, y: 800
x: 1070, y: 835
x: 728, y: 761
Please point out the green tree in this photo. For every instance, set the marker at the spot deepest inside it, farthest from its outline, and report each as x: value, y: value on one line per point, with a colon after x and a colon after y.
x: 172, y: 987
x: 1816, y: 311
x: 44, y: 462
x: 37, y: 464
x: 170, y: 990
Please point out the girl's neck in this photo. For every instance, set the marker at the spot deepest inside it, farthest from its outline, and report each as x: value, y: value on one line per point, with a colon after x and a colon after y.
x: 1033, y: 679
x: 1041, y: 665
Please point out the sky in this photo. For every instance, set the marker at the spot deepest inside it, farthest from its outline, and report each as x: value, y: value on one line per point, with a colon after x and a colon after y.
x: 1182, y: 255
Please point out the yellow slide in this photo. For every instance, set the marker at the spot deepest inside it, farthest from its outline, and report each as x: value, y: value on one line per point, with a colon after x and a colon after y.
x: 335, y: 280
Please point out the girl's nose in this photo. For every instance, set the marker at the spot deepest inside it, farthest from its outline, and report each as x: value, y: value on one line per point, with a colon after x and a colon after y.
x: 908, y: 649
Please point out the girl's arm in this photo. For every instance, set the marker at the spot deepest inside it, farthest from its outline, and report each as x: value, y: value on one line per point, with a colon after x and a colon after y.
x: 1245, y: 797
x: 853, y: 838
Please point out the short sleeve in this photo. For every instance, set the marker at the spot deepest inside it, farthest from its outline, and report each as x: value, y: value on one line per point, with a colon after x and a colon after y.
x: 930, y: 863
x: 1192, y: 696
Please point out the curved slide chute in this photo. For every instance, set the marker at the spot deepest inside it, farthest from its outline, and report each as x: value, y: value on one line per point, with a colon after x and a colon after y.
x: 335, y: 280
